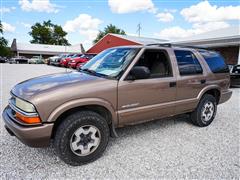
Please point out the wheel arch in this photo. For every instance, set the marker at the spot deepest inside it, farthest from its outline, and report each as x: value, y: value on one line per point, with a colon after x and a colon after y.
x: 92, y: 104
x: 215, y: 91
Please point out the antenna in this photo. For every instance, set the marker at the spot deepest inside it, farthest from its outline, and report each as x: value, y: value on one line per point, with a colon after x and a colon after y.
x: 139, y: 28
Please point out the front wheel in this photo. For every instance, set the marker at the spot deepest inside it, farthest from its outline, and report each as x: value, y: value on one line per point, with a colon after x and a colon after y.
x: 81, y: 138
x: 205, y: 113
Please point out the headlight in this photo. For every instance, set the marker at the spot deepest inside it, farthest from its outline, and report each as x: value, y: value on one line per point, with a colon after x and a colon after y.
x: 73, y: 61
x: 25, y: 106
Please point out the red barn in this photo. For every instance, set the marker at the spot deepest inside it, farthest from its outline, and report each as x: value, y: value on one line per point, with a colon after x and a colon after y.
x: 113, y: 40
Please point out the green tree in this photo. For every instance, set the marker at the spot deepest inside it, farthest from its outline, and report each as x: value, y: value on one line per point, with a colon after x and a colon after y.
x: 109, y: 29
x: 48, y: 33
x: 4, y: 50
x: 3, y: 41
x: 1, y: 28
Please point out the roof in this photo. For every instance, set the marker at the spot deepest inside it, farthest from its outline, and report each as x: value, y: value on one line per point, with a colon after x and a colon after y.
x: 220, y: 37
x: 114, y: 40
x: 45, y: 48
x: 140, y: 40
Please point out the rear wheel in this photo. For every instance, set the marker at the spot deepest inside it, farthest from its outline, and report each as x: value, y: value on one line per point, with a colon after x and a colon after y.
x: 205, y: 112
x: 81, y: 138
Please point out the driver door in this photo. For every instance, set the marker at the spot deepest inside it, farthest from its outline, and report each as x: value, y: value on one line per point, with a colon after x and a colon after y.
x: 142, y: 100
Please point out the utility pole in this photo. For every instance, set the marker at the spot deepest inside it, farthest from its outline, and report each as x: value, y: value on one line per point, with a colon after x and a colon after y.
x: 139, y: 28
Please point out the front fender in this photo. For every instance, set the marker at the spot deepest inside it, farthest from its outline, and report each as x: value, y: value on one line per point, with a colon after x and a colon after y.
x: 82, y: 102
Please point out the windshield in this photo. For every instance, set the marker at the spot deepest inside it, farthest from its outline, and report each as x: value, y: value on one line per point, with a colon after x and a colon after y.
x: 111, y: 62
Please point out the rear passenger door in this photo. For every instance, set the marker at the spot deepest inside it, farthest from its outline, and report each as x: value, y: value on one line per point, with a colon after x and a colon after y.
x: 191, y: 79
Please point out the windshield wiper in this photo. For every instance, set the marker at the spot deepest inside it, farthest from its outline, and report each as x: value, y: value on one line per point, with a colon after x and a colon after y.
x: 92, y: 72
x: 89, y: 71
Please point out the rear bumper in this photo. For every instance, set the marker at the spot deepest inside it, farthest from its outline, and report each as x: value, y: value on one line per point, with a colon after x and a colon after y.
x: 33, y: 136
x: 225, y: 96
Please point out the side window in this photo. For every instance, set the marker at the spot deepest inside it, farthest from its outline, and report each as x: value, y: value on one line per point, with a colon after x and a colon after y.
x: 215, y: 61
x: 158, y: 63
x: 187, y: 63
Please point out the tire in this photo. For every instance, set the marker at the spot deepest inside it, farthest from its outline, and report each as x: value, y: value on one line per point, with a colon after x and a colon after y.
x: 74, y: 124
x: 205, y: 112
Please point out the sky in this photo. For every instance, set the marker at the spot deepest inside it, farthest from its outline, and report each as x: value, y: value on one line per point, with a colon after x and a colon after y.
x: 82, y: 19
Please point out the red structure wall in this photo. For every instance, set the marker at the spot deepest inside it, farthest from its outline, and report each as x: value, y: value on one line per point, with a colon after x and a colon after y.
x: 109, y: 41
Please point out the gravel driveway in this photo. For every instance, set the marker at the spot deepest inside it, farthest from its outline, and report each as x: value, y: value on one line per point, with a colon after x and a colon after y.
x: 172, y: 149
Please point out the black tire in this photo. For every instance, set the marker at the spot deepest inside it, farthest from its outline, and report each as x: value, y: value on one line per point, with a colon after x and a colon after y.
x: 196, y: 115
x: 69, y: 126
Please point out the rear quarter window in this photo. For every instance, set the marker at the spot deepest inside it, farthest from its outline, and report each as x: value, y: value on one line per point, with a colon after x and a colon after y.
x: 215, y: 61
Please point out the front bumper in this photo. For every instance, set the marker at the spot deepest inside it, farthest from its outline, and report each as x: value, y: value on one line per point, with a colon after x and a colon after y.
x: 225, y: 96
x: 33, y: 136
x: 235, y: 79
x: 72, y: 65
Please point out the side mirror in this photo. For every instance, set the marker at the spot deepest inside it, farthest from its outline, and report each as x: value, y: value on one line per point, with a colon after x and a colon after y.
x: 139, y: 72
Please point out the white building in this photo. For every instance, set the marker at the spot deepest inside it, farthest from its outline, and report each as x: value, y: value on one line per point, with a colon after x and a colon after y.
x: 44, y: 50
x: 226, y: 41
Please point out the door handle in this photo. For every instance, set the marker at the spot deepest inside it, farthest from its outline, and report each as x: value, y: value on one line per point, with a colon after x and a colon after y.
x: 172, y: 84
x: 203, y: 81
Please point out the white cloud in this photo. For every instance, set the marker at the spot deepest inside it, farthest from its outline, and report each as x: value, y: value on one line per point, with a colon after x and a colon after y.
x: 38, y: 5
x: 6, y: 9
x: 205, y: 12
x: 165, y: 17
x: 8, y: 27
x: 177, y: 32
x: 85, y: 24
x: 204, y: 17
x: 129, y: 6
x: 26, y: 25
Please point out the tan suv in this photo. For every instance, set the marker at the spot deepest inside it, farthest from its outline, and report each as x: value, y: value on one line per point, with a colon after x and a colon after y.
x: 120, y: 86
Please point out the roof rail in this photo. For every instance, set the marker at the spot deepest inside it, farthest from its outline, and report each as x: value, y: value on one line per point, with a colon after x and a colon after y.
x: 189, y: 46
x: 175, y: 45
x: 160, y: 44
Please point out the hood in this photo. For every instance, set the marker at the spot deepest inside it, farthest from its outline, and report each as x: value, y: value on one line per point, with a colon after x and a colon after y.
x: 54, y: 82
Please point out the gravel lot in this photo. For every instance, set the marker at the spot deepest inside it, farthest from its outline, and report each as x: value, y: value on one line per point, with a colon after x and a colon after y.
x: 172, y: 149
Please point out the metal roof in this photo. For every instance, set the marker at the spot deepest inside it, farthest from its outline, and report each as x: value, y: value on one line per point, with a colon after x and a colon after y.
x: 45, y: 49
x: 221, y: 37
x: 140, y: 40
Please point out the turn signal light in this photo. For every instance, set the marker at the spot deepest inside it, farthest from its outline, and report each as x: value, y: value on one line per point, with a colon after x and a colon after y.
x: 28, y: 120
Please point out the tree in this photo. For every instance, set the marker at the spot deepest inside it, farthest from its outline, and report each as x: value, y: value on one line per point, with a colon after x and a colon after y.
x: 48, y: 33
x: 4, y: 50
x: 1, y: 28
x: 3, y: 41
x: 109, y: 29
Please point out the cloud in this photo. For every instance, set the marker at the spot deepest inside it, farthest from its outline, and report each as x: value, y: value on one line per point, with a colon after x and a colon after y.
x: 205, y: 12
x: 129, y: 6
x: 165, y: 17
x: 176, y: 32
x: 38, y: 6
x: 85, y: 24
x: 8, y: 27
x: 203, y: 17
x: 6, y: 9
x: 26, y: 25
